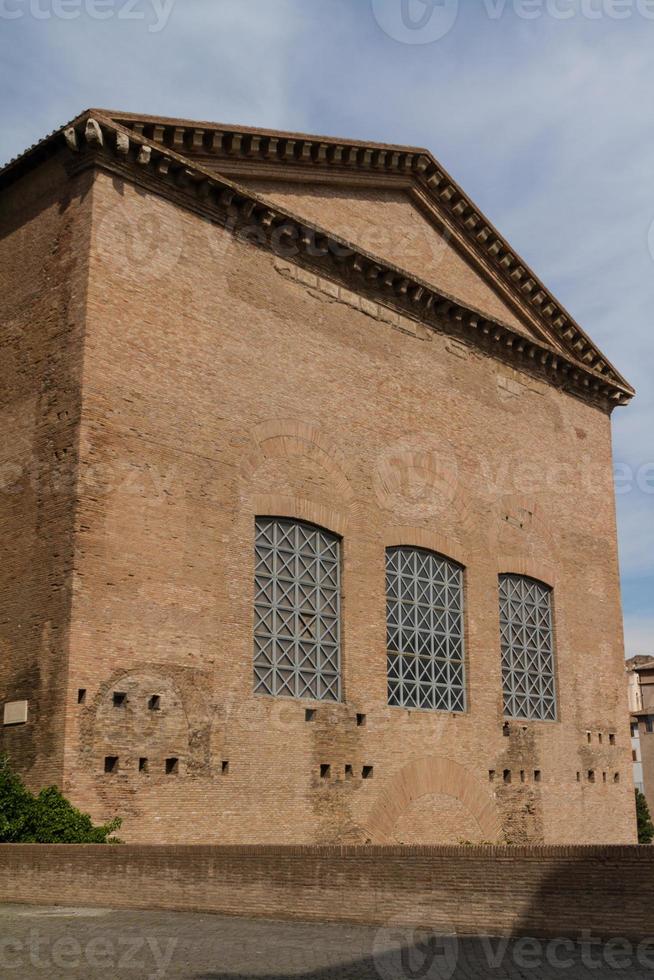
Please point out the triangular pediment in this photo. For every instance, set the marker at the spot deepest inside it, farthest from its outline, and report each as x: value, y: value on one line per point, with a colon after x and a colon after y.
x: 386, y: 221
x: 474, y: 253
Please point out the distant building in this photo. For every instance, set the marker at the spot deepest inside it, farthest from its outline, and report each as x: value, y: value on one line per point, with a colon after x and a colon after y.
x: 640, y: 690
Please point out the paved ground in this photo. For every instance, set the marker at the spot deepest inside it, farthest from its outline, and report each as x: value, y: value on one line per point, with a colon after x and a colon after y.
x: 101, y: 944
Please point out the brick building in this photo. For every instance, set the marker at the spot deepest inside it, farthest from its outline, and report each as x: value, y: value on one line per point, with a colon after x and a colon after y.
x: 640, y: 693
x: 307, y: 511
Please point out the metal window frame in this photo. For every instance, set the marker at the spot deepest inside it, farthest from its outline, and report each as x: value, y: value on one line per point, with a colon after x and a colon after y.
x: 425, y: 631
x: 297, y: 610
x: 529, y: 687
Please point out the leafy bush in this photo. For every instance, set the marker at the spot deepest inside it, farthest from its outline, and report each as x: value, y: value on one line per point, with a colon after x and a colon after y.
x: 644, y: 821
x: 48, y: 818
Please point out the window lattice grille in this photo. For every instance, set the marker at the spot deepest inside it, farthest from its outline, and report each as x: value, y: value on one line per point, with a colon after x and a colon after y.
x: 296, y: 610
x: 424, y: 616
x: 527, y: 649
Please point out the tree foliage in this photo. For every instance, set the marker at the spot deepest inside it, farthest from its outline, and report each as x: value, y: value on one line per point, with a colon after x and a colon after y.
x: 644, y: 821
x: 48, y: 818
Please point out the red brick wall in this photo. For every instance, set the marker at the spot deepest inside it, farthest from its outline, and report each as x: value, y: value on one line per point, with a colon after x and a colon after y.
x: 386, y: 222
x: 541, y: 891
x: 218, y: 383
x: 221, y: 384
x: 44, y: 253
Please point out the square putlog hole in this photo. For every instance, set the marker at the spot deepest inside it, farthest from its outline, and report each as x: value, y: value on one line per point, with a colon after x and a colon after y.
x: 172, y: 766
x: 361, y: 721
x: 367, y: 772
x: 81, y: 695
x: 325, y: 770
x: 310, y: 714
x: 143, y: 764
x: 154, y: 703
x: 224, y: 767
x: 119, y: 699
x: 111, y: 763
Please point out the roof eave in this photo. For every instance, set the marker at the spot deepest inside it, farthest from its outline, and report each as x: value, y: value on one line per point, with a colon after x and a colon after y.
x: 189, y: 136
x: 102, y: 142
x: 420, y: 161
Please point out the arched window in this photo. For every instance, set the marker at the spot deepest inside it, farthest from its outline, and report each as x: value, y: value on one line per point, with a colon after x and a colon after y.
x: 527, y: 648
x: 296, y: 610
x: 424, y: 619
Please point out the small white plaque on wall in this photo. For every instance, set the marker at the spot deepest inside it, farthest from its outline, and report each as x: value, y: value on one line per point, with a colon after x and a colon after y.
x: 15, y: 713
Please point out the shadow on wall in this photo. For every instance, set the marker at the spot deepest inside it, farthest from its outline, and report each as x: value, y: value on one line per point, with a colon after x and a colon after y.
x: 571, y: 928
x: 469, y: 959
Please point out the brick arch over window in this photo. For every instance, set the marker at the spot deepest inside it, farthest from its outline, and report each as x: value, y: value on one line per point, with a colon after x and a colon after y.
x: 412, y: 535
x: 540, y: 571
x: 414, y: 484
x: 523, y: 538
x: 301, y: 509
x: 286, y: 438
x: 425, y: 777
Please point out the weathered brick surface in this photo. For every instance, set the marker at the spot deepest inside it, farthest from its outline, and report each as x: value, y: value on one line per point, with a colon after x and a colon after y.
x: 44, y: 252
x: 385, y: 222
x: 218, y: 383
x: 538, y: 891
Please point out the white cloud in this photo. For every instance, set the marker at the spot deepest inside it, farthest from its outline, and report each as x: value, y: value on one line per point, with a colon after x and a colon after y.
x: 226, y: 61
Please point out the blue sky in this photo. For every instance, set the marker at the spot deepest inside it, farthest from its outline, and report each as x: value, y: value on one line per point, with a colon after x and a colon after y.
x: 541, y: 109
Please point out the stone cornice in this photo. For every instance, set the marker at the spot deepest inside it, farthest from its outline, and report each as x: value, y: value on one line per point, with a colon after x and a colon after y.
x: 36, y: 154
x: 244, y: 151
x: 95, y: 141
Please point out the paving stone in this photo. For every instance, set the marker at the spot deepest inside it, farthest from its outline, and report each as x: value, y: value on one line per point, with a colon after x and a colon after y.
x: 98, y: 944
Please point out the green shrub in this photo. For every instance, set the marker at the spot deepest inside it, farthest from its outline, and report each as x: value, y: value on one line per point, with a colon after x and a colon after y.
x: 644, y: 821
x: 48, y: 818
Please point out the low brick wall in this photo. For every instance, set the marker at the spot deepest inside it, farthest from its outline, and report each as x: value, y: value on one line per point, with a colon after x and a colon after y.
x: 539, y: 891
